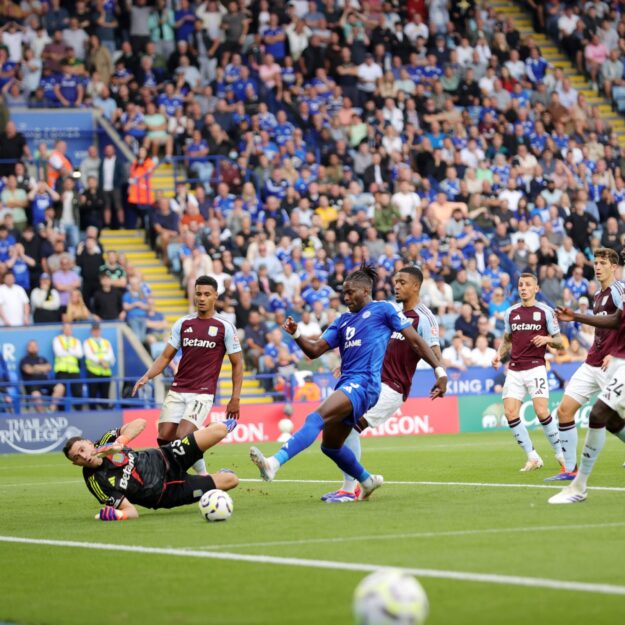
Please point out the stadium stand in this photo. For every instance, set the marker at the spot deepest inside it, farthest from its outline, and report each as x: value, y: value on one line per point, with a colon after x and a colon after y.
x: 276, y: 145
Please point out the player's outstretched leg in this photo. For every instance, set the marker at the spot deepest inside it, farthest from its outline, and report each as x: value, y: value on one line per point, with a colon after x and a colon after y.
x: 595, y: 440
x: 350, y: 489
x: 334, y: 409
x: 302, y: 439
x: 334, y: 435
x: 346, y: 461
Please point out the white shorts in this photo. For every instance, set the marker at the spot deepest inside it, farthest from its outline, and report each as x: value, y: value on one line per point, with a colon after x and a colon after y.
x: 194, y: 407
x: 613, y: 395
x: 388, y: 404
x: 586, y: 381
x: 533, y: 381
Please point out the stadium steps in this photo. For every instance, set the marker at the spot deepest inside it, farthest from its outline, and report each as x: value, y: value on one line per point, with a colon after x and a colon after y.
x: 171, y: 300
x: 553, y: 55
x: 163, y: 179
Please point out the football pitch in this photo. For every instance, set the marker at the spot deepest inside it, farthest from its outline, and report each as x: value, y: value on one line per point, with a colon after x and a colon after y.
x: 454, y: 510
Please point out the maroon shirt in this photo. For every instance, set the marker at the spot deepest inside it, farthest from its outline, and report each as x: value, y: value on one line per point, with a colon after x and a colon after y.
x: 400, y: 360
x: 204, y: 342
x: 523, y: 323
x: 606, y: 342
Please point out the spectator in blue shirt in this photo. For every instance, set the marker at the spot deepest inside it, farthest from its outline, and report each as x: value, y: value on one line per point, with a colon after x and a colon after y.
x: 185, y: 21
x: 68, y: 89
x: 577, y: 283
x: 243, y: 278
x: 317, y: 292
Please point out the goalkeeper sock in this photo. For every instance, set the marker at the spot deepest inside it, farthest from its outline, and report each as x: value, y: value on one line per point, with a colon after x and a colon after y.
x: 200, y: 467
x: 351, y: 442
x: 302, y: 439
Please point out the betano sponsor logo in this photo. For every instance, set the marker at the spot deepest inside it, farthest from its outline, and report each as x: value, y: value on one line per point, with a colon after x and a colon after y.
x: 526, y: 326
x: 198, y: 343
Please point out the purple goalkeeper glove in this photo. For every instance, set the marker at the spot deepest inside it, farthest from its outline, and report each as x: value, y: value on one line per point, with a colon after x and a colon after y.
x: 108, y: 513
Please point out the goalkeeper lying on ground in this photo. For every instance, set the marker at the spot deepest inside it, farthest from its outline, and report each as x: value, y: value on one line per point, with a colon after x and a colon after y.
x: 119, y: 476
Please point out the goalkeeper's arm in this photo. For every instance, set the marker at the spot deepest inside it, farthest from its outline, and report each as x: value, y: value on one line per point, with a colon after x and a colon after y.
x: 132, y: 430
x: 126, y: 434
x: 124, y: 511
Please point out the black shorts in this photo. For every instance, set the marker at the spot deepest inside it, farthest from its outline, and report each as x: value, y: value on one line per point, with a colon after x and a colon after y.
x: 181, y: 488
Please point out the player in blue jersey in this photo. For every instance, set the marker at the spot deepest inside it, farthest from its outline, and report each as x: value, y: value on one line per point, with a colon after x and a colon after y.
x: 362, y: 336
x: 400, y: 364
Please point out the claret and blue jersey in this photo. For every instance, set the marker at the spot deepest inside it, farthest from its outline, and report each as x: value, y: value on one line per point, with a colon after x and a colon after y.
x: 362, y: 339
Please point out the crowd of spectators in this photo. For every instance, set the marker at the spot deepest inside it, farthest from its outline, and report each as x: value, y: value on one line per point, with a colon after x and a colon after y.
x: 428, y: 133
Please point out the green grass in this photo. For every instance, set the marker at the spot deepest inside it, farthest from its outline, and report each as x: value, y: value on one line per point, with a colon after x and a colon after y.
x: 44, y: 497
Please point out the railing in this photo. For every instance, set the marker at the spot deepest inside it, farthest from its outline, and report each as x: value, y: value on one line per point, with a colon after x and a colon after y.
x: 215, y: 176
x: 15, y: 397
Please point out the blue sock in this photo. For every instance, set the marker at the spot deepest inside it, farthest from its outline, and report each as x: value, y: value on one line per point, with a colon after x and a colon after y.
x: 302, y: 439
x: 353, y: 442
x: 346, y: 461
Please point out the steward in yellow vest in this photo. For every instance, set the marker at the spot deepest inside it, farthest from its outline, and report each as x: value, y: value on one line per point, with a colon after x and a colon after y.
x: 67, y: 354
x: 99, y: 361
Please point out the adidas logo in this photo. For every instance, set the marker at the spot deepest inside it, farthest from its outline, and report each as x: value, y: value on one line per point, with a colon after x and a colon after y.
x: 188, y: 330
x: 517, y: 318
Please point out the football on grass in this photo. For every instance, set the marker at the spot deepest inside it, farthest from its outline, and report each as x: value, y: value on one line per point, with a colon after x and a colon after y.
x: 216, y: 505
x: 390, y: 597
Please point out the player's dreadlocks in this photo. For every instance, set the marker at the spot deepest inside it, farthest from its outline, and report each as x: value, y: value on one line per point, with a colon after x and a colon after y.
x: 365, y: 275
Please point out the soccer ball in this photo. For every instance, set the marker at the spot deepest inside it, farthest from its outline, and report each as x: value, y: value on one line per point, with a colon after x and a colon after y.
x: 390, y: 597
x: 215, y: 505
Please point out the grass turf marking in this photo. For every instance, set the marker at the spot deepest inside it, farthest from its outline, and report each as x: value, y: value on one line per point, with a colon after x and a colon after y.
x: 409, y: 535
x: 463, y: 576
x: 253, y: 480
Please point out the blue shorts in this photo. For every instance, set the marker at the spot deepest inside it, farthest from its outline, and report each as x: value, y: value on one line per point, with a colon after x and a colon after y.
x: 362, y: 394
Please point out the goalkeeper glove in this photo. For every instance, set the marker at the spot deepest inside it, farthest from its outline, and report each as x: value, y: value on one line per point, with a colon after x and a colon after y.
x: 108, y: 513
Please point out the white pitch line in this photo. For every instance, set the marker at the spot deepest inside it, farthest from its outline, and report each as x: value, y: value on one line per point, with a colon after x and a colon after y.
x: 463, y: 576
x: 253, y: 480
x: 42, y: 483
x: 617, y: 489
x: 409, y: 535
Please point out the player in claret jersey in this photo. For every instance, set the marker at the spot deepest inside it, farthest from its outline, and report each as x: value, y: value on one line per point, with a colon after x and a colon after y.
x: 608, y: 411
x: 400, y: 363
x: 591, y: 377
x: 529, y: 327
x: 204, y: 338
